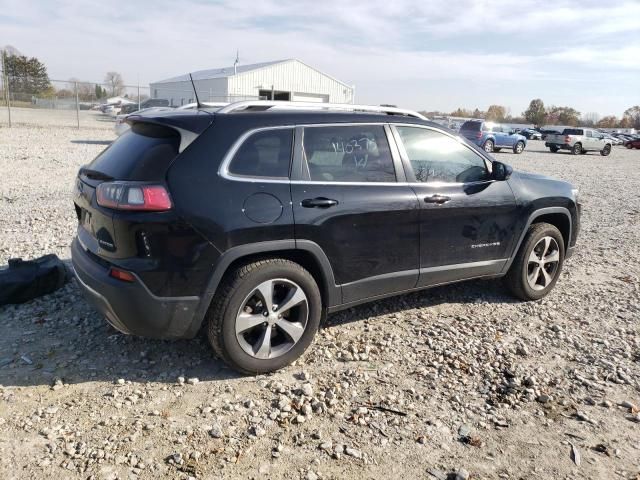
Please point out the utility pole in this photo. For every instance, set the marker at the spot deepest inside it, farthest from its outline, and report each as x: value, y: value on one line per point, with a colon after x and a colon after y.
x: 77, y: 105
x: 139, y: 92
x: 5, y: 79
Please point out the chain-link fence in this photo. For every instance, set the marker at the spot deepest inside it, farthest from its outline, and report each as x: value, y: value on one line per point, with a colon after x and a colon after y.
x: 34, y: 102
x: 68, y: 103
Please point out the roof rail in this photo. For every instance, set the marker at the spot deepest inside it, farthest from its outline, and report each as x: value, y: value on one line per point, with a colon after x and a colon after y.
x: 260, y: 105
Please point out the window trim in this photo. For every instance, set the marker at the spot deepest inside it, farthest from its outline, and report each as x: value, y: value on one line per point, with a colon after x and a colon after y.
x: 224, y: 172
x: 411, y: 177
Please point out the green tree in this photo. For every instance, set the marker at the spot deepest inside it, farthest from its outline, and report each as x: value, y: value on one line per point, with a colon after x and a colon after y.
x: 633, y: 114
x: 26, y: 75
x: 536, y: 112
x: 496, y: 113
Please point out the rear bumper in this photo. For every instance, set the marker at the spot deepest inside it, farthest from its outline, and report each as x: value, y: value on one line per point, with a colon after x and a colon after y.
x: 129, y: 306
x: 560, y: 146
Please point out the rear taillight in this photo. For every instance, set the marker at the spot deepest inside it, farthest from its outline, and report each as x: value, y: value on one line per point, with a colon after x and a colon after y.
x: 133, y: 196
x: 479, y: 135
x: 567, y: 139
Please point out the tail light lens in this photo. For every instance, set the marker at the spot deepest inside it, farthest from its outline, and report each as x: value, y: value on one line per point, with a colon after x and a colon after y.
x: 121, y: 275
x: 133, y: 196
x: 479, y: 135
x: 567, y: 139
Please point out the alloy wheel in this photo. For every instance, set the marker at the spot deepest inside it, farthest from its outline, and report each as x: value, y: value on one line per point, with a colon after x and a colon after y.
x: 543, y: 263
x: 272, y: 318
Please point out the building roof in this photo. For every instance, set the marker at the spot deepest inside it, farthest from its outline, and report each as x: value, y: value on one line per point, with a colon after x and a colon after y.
x: 220, y: 72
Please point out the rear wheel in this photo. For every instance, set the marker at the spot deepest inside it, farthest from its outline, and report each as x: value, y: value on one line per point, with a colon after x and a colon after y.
x: 488, y: 146
x: 553, y: 149
x: 606, y: 150
x: 629, y: 146
x: 538, y: 264
x: 577, y: 149
x: 518, y: 147
x: 264, y: 315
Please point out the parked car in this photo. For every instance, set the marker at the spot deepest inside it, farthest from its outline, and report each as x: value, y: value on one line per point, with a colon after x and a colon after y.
x: 635, y: 143
x: 121, y: 126
x: 579, y: 141
x: 492, y: 137
x: 260, y: 222
x: 148, y: 103
x: 612, y: 139
x: 531, y: 134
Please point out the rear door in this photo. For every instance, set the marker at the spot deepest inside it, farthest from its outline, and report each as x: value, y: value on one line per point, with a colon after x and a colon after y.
x: 467, y: 220
x: 350, y: 198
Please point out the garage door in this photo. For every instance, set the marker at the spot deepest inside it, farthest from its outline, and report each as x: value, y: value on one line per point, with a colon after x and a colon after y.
x: 310, y: 97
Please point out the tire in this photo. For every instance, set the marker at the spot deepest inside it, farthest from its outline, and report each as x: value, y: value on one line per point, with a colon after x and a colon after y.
x: 629, y: 146
x: 554, y: 149
x: 518, y: 148
x: 237, y: 290
x: 577, y: 149
x: 606, y: 150
x: 523, y: 269
x: 488, y: 146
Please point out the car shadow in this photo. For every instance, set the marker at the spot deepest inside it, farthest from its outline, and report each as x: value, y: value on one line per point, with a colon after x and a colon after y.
x: 474, y: 291
x: 92, y: 142
x: 59, y: 337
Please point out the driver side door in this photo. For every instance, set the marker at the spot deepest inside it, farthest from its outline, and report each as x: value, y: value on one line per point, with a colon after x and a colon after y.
x: 467, y: 219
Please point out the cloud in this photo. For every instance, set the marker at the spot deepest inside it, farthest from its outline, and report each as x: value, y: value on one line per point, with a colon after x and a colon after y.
x: 412, y: 52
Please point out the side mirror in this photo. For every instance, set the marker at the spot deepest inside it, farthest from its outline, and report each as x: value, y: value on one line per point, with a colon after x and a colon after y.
x: 500, y: 171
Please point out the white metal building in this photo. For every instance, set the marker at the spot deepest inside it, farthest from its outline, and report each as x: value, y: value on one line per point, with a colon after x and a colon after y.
x: 278, y: 80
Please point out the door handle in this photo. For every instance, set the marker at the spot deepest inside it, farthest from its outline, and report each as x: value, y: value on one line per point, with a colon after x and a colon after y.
x: 319, y: 202
x: 439, y: 199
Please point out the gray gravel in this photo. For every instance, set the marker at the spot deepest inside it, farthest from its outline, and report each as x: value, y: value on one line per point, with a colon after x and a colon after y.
x: 456, y: 382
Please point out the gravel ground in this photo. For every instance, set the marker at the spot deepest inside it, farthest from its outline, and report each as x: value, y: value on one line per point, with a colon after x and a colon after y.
x: 453, y: 383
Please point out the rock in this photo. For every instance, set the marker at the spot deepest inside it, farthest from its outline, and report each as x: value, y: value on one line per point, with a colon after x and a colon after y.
x: 193, y: 381
x: 352, y: 452
x: 120, y: 381
x: 307, y: 389
x: 464, y: 430
x: 543, y: 398
x: 311, y: 475
x: 216, y: 431
x: 181, y: 380
x: 462, y: 474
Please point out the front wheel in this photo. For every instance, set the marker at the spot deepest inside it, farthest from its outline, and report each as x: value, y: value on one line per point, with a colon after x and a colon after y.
x: 518, y: 147
x: 538, y: 264
x: 488, y: 146
x: 606, y: 150
x: 629, y: 146
x: 264, y: 315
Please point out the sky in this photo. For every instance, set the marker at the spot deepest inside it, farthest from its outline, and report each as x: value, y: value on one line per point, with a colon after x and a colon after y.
x: 422, y: 54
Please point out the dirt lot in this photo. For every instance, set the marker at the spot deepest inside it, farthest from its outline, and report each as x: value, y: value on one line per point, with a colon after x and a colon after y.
x: 455, y: 382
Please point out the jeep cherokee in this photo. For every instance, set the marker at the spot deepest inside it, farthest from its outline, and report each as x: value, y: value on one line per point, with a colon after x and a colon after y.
x: 261, y: 218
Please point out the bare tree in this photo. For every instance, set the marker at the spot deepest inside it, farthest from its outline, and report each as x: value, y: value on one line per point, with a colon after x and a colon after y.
x: 115, y: 83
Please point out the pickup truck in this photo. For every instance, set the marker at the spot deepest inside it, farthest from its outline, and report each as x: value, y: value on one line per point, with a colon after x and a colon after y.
x: 579, y: 141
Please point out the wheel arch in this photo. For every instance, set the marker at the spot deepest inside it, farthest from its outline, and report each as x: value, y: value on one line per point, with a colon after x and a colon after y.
x: 559, y: 217
x: 306, y: 253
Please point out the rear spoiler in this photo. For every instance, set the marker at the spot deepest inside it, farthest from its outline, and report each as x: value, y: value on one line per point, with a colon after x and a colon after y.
x: 189, y: 124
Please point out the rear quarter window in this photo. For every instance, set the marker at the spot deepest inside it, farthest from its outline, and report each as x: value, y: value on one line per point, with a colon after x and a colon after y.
x: 471, y: 126
x: 573, y: 131
x: 264, y: 154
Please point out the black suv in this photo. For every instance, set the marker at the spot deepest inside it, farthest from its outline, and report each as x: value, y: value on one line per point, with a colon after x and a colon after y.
x: 261, y: 218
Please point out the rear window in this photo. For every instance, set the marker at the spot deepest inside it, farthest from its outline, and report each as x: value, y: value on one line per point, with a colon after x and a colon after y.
x: 471, y: 126
x: 143, y: 153
x: 573, y: 131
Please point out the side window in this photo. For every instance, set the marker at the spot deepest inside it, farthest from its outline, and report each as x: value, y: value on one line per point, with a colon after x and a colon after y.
x: 436, y: 157
x: 589, y: 133
x: 348, y: 154
x: 264, y: 154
